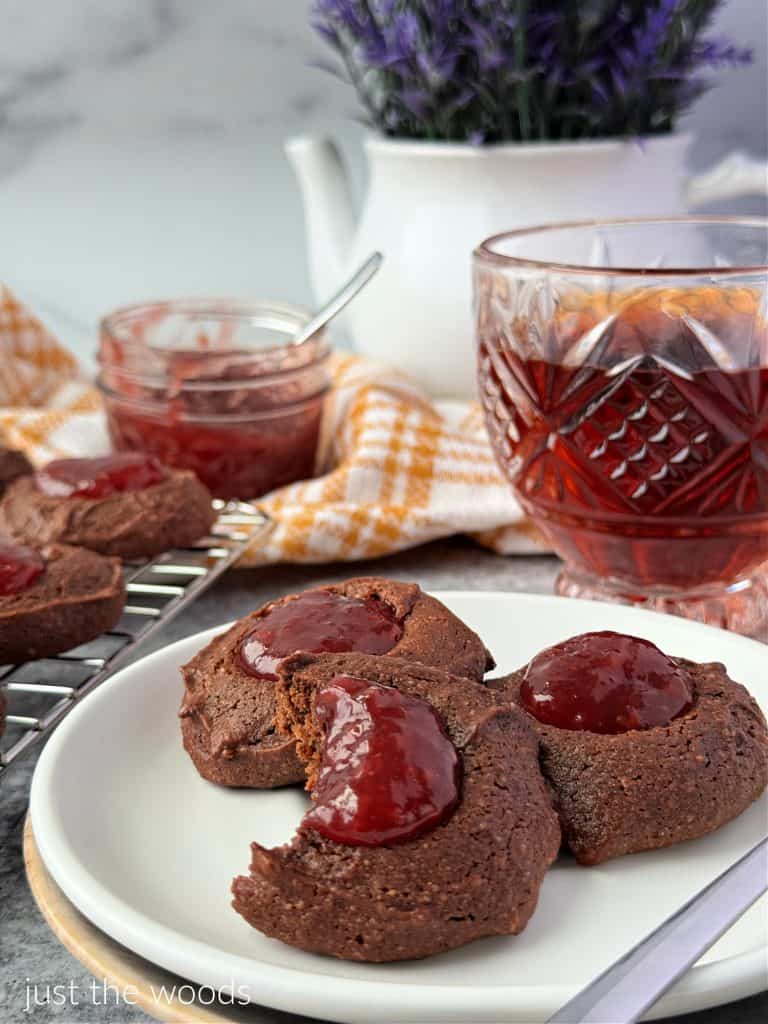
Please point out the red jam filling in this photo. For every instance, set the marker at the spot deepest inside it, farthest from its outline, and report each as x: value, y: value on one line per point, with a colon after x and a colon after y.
x: 20, y: 567
x: 606, y: 683
x: 318, y: 621
x: 388, y: 771
x: 98, y: 478
x: 246, y: 460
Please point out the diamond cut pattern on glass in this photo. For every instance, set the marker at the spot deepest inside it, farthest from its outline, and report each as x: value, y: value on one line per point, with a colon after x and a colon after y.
x: 645, y: 437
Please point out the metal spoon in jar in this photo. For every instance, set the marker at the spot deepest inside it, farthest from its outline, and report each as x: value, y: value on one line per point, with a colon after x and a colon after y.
x: 219, y: 364
x: 343, y: 296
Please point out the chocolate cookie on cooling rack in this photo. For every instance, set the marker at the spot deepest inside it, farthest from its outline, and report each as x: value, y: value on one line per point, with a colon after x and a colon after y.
x: 13, y: 464
x: 54, y: 599
x: 127, y: 504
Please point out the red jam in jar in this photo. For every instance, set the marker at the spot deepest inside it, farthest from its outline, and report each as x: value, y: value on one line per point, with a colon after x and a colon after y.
x: 388, y: 771
x: 100, y: 477
x: 606, y: 683
x: 20, y: 567
x: 318, y: 621
x: 218, y: 387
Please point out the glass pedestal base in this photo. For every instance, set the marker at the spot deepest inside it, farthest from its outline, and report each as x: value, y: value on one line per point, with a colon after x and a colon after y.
x: 740, y: 607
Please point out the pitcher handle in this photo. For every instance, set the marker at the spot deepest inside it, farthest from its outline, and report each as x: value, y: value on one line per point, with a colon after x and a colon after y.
x: 737, y: 174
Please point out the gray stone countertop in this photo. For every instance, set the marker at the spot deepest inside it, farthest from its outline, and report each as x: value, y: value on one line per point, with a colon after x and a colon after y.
x: 29, y: 953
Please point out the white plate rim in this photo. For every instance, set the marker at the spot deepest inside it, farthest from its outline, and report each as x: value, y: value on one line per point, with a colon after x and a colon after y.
x: 703, y: 986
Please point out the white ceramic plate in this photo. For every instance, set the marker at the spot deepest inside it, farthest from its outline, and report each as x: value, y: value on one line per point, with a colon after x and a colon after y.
x: 147, y: 850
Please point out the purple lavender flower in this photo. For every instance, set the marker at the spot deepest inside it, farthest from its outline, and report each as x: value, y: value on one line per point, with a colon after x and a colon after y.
x: 715, y: 53
x: 491, y: 70
x: 649, y: 38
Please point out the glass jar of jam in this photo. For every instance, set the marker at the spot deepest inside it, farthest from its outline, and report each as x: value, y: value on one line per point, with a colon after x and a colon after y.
x: 216, y: 386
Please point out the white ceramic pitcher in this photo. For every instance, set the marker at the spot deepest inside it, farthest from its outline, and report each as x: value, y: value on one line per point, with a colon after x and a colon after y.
x: 429, y: 204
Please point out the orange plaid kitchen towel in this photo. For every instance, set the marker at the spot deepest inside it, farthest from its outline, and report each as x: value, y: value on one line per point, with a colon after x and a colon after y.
x: 394, y: 469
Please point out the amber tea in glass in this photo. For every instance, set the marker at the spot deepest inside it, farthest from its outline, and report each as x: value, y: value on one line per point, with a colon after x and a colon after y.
x: 623, y: 370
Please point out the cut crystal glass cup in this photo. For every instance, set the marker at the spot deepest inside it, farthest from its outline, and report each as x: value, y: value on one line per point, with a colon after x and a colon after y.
x: 623, y: 373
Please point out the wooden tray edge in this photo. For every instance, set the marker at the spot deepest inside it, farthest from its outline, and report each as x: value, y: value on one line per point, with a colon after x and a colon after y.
x: 107, y: 960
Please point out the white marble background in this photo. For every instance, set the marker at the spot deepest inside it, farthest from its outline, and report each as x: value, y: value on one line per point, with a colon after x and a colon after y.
x: 140, y: 146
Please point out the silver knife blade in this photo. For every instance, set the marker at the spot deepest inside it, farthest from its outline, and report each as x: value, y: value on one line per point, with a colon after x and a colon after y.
x: 623, y: 992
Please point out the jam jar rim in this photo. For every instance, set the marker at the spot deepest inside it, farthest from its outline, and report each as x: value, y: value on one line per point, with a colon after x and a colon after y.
x: 317, y: 348
x: 193, y: 385
x: 141, y: 405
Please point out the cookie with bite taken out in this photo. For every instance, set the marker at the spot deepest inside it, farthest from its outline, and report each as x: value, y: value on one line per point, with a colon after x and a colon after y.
x: 228, y: 711
x: 431, y: 824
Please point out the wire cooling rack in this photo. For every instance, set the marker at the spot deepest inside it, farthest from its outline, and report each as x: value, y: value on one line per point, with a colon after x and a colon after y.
x: 41, y: 693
